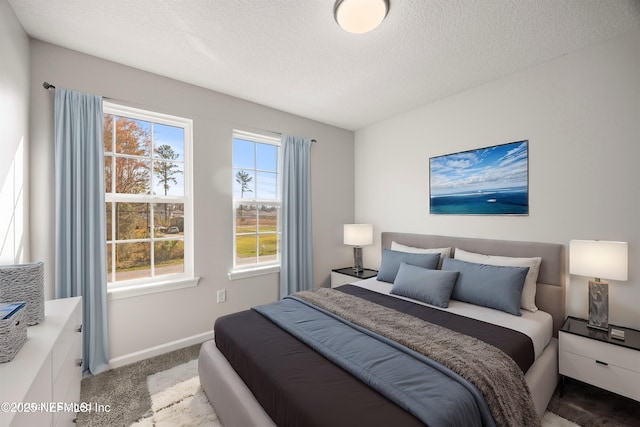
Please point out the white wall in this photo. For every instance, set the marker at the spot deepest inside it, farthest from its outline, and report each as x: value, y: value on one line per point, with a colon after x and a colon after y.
x: 140, y: 323
x: 14, y: 138
x: 581, y: 115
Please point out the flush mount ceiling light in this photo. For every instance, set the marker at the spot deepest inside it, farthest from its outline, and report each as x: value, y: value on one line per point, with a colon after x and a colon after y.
x: 360, y: 16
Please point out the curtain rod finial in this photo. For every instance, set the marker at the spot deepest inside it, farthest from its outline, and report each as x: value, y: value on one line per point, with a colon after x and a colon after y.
x: 47, y: 85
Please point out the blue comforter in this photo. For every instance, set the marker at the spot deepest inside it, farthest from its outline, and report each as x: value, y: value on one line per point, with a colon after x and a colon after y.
x: 430, y: 391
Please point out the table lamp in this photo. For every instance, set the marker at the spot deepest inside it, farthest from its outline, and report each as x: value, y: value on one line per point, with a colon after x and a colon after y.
x: 598, y: 259
x: 358, y: 235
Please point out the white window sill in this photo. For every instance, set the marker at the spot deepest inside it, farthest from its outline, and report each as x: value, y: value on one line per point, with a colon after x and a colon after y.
x: 151, y: 288
x: 252, y: 272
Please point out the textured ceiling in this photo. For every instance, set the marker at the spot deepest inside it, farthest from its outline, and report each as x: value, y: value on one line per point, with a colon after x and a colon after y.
x: 291, y: 55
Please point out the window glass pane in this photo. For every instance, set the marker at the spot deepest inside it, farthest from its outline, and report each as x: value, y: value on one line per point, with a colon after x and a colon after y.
x: 168, y: 257
x: 108, y: 132
x: 108, y: 162
x: 168, y: 178
x: 109, y: 219
x: 256, y: 179
x: 168, y: 142
x: 133, y: 136
x: 267, y: 157
x: 246, y: 249
x: 132, y: 176
x: 144, y: 162
x: 133, y: 260
x: 268, y: 218
x: 109, y: 261
x: 268, y: 246
x: 267, y: 186
x: 245, y: 218
x: 243, y: 154
x: 243, y: 184
x: 132, y: 221
x: 168, y: 219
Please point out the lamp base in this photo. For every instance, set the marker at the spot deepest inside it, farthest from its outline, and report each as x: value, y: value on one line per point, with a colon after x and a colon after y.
x: 357, y: 259
x: 598, y: 305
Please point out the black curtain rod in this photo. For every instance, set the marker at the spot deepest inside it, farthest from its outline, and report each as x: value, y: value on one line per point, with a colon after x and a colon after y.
x: 280, y: 133
x: 48, y: 85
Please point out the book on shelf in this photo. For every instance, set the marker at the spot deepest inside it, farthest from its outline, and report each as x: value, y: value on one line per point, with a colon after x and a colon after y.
x: 8, y: 309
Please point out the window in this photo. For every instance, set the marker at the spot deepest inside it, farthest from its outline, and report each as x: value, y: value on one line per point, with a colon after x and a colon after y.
x: 148, y: 197
x: 256, y: 200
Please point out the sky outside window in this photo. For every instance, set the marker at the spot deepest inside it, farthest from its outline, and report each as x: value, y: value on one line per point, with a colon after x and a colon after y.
x: 171, y: 136
x: 260, y: 162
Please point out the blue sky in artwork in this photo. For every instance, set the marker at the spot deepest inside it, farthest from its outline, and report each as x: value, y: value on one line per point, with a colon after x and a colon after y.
x: 485, y: 169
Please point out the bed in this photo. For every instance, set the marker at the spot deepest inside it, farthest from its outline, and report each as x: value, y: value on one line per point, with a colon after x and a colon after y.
x: 319, y: 392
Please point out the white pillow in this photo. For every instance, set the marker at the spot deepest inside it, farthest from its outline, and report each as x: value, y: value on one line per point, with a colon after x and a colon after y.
x: 528, y: 300
x: 444, y: 252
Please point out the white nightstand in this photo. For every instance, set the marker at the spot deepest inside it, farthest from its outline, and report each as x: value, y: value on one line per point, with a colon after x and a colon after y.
x: 592, y: 356
x: 343, y: 276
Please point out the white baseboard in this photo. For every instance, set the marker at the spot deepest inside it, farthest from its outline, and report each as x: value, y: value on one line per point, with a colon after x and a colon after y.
x: 160, y: 349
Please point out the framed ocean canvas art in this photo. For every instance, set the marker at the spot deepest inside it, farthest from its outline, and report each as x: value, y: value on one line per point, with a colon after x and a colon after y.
x: 485, y: 181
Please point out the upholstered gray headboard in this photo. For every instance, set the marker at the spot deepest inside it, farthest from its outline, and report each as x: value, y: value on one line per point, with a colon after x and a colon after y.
x: 550, y: 292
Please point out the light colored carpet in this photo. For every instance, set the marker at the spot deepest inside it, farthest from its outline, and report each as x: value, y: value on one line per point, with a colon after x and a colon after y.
x: 177, y: 400
x: 552, y: 420
x: 125, y: 390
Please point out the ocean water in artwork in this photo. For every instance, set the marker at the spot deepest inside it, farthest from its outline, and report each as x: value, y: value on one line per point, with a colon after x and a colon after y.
x: 513, y: 201
x: 486, y: 181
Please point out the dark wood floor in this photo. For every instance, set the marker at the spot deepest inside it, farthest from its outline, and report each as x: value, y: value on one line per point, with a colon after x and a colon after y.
x: 589, y: 406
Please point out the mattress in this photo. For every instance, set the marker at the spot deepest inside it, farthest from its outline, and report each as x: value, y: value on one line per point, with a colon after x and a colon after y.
x: 281, y: 387
x: 538, y: 326
x: 277, y: 368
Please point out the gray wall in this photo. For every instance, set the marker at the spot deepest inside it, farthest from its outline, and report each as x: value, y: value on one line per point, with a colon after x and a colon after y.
x: 141, y: 323
x: 581, y: 115
x: 14, y: 138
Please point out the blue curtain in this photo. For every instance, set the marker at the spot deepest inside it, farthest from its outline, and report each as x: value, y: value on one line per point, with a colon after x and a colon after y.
x: 80, y: 218
x: 296, y: 265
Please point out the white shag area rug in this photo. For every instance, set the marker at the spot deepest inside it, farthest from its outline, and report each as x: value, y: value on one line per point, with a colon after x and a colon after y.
x: 177, y: 400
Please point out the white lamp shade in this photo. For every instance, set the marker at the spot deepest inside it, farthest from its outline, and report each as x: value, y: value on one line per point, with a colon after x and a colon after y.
x: 599, y: 259
x: 358, y: 234
x: 360, y: 16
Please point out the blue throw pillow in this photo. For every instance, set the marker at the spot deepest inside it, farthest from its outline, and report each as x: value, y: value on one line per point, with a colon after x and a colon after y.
x: 431, y: 286
x: 490, y: 286
x: 391, y: 263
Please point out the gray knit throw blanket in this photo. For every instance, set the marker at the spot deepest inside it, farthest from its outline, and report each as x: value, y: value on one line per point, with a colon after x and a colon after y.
x: 495, y: 374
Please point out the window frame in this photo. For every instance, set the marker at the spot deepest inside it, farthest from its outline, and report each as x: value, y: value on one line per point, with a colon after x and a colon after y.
x: 134, y: 287
x: 257, y: 268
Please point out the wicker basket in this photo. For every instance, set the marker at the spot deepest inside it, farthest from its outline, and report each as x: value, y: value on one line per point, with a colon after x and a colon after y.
x: 13, y: 334
x: 24, y: 282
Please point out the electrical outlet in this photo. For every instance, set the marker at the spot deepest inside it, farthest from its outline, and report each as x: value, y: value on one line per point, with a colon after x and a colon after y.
x: 222, y: 295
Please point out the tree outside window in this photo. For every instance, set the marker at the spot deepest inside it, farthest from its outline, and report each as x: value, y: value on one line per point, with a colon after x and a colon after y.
x: 146, y: 198
x: 256, y: 200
